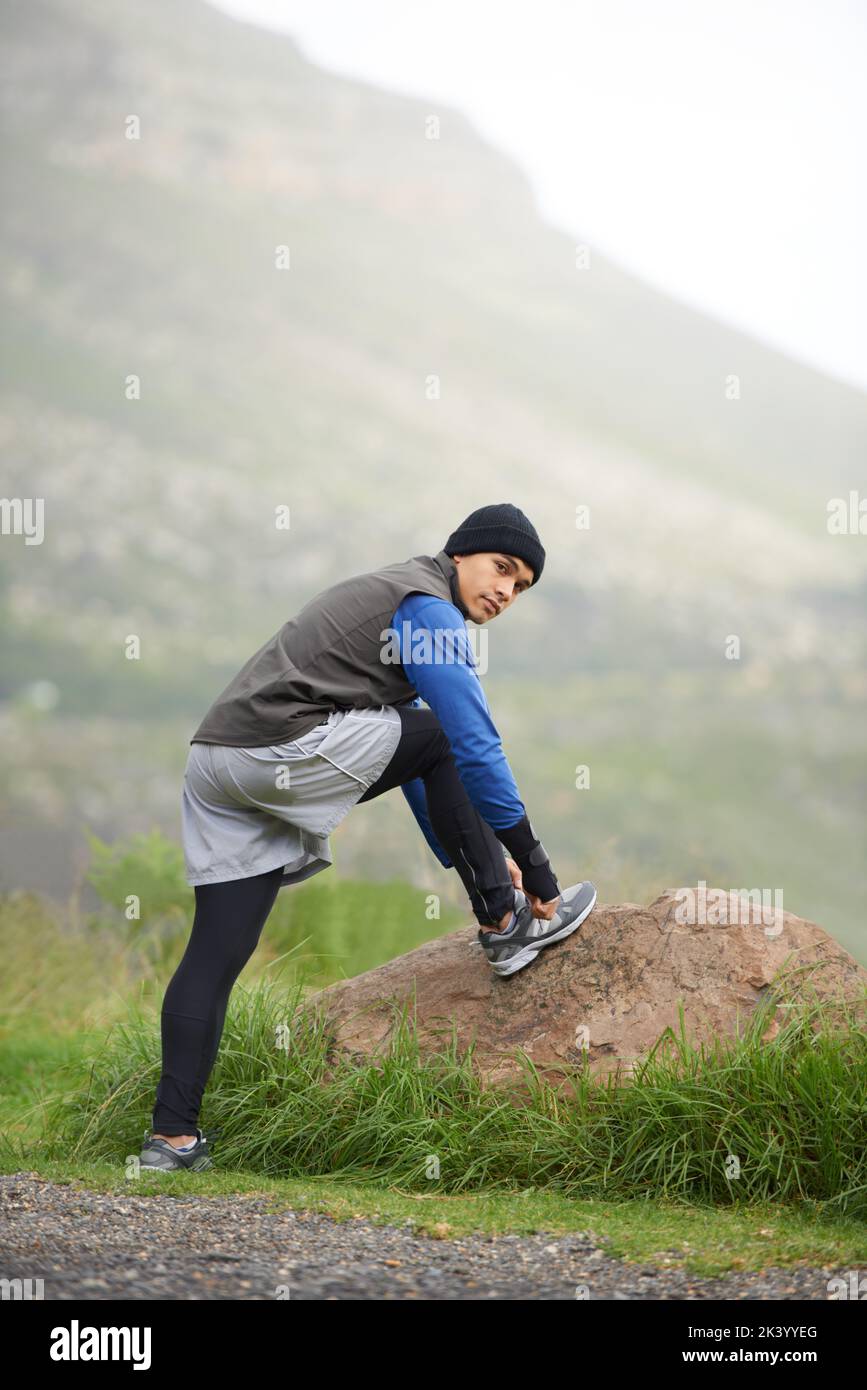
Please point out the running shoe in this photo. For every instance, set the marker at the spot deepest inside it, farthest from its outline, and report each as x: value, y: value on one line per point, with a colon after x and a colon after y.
x: 159, y: 1156
x: 509, y: 951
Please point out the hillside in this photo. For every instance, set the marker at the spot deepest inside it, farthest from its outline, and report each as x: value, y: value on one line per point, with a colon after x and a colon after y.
x: 306, y: 387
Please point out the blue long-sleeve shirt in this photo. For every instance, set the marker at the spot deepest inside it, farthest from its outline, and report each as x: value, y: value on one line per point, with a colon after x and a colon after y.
x: 445, y: 676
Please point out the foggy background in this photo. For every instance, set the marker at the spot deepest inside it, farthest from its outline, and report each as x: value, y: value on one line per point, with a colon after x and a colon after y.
x: 449, y: 332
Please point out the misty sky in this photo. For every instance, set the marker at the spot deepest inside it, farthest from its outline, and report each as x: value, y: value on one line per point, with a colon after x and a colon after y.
x: 717, y: 150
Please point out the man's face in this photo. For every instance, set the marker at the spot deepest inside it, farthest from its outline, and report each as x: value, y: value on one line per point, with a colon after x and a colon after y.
x: 489, y: 582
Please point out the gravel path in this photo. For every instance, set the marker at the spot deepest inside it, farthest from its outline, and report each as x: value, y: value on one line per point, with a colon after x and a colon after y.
x: 93, y: 1245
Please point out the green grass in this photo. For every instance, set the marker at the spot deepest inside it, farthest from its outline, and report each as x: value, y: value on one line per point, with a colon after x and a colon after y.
x: 641, y: 1165
x: 405, y: 1137
x: 625, y: 1164
x: 792, y: 1111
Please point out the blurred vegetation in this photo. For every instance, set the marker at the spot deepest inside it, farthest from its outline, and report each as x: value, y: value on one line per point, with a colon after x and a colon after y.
x: 329, y: 927
x: 262, y: 389
x: 307, y: 389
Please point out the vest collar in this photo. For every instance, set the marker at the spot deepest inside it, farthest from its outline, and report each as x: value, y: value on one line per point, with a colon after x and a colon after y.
x: 450, y: 570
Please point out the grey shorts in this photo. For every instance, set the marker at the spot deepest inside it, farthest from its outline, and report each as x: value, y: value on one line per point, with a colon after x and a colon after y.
x: 246, y: 810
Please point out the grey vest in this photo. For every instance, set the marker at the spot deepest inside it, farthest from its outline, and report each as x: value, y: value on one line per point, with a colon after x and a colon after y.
x: 327, y: 658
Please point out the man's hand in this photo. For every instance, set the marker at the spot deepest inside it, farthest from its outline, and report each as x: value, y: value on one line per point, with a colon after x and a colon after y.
x: 540, y: 909
x: 515, y: 872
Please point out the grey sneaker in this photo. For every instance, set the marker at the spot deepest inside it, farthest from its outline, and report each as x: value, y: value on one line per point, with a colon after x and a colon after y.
x: 158, y: 1156
x: 512, y: 950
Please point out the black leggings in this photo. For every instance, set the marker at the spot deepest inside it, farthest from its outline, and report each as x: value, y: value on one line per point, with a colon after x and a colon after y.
x: 230, y: 916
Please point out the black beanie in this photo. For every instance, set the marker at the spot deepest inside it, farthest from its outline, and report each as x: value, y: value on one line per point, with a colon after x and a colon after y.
x: 499, y: 527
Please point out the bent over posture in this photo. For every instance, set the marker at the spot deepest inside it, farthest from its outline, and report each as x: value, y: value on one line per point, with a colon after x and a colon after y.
x: 328, y: 714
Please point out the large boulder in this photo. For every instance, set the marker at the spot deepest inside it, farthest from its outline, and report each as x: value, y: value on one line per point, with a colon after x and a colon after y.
x: 605, y: 994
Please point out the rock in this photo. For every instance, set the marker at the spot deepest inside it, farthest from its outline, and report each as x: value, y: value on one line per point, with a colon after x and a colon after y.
x: 604, y: 995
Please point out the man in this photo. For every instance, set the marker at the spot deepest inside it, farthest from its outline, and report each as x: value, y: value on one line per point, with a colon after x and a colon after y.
x: 328, y: 714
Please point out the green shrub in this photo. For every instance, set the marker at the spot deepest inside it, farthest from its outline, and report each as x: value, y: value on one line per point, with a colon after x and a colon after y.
x: 143, y: 879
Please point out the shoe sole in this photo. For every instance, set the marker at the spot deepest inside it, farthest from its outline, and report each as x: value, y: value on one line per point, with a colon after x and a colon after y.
x: 196, y: 1167
x: 201, y: 1163
x: 529, y: 953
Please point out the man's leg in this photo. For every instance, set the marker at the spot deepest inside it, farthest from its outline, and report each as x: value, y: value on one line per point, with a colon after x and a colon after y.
x: 424, y: 751
x: 226, y: 929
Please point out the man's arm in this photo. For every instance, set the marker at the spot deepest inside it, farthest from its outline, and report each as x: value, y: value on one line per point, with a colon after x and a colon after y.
x: 450, y: 685
x: 417, y: 799
x: 415, y: 794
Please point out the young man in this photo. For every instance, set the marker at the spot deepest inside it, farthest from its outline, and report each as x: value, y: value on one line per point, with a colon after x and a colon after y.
x: 328, y: 714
